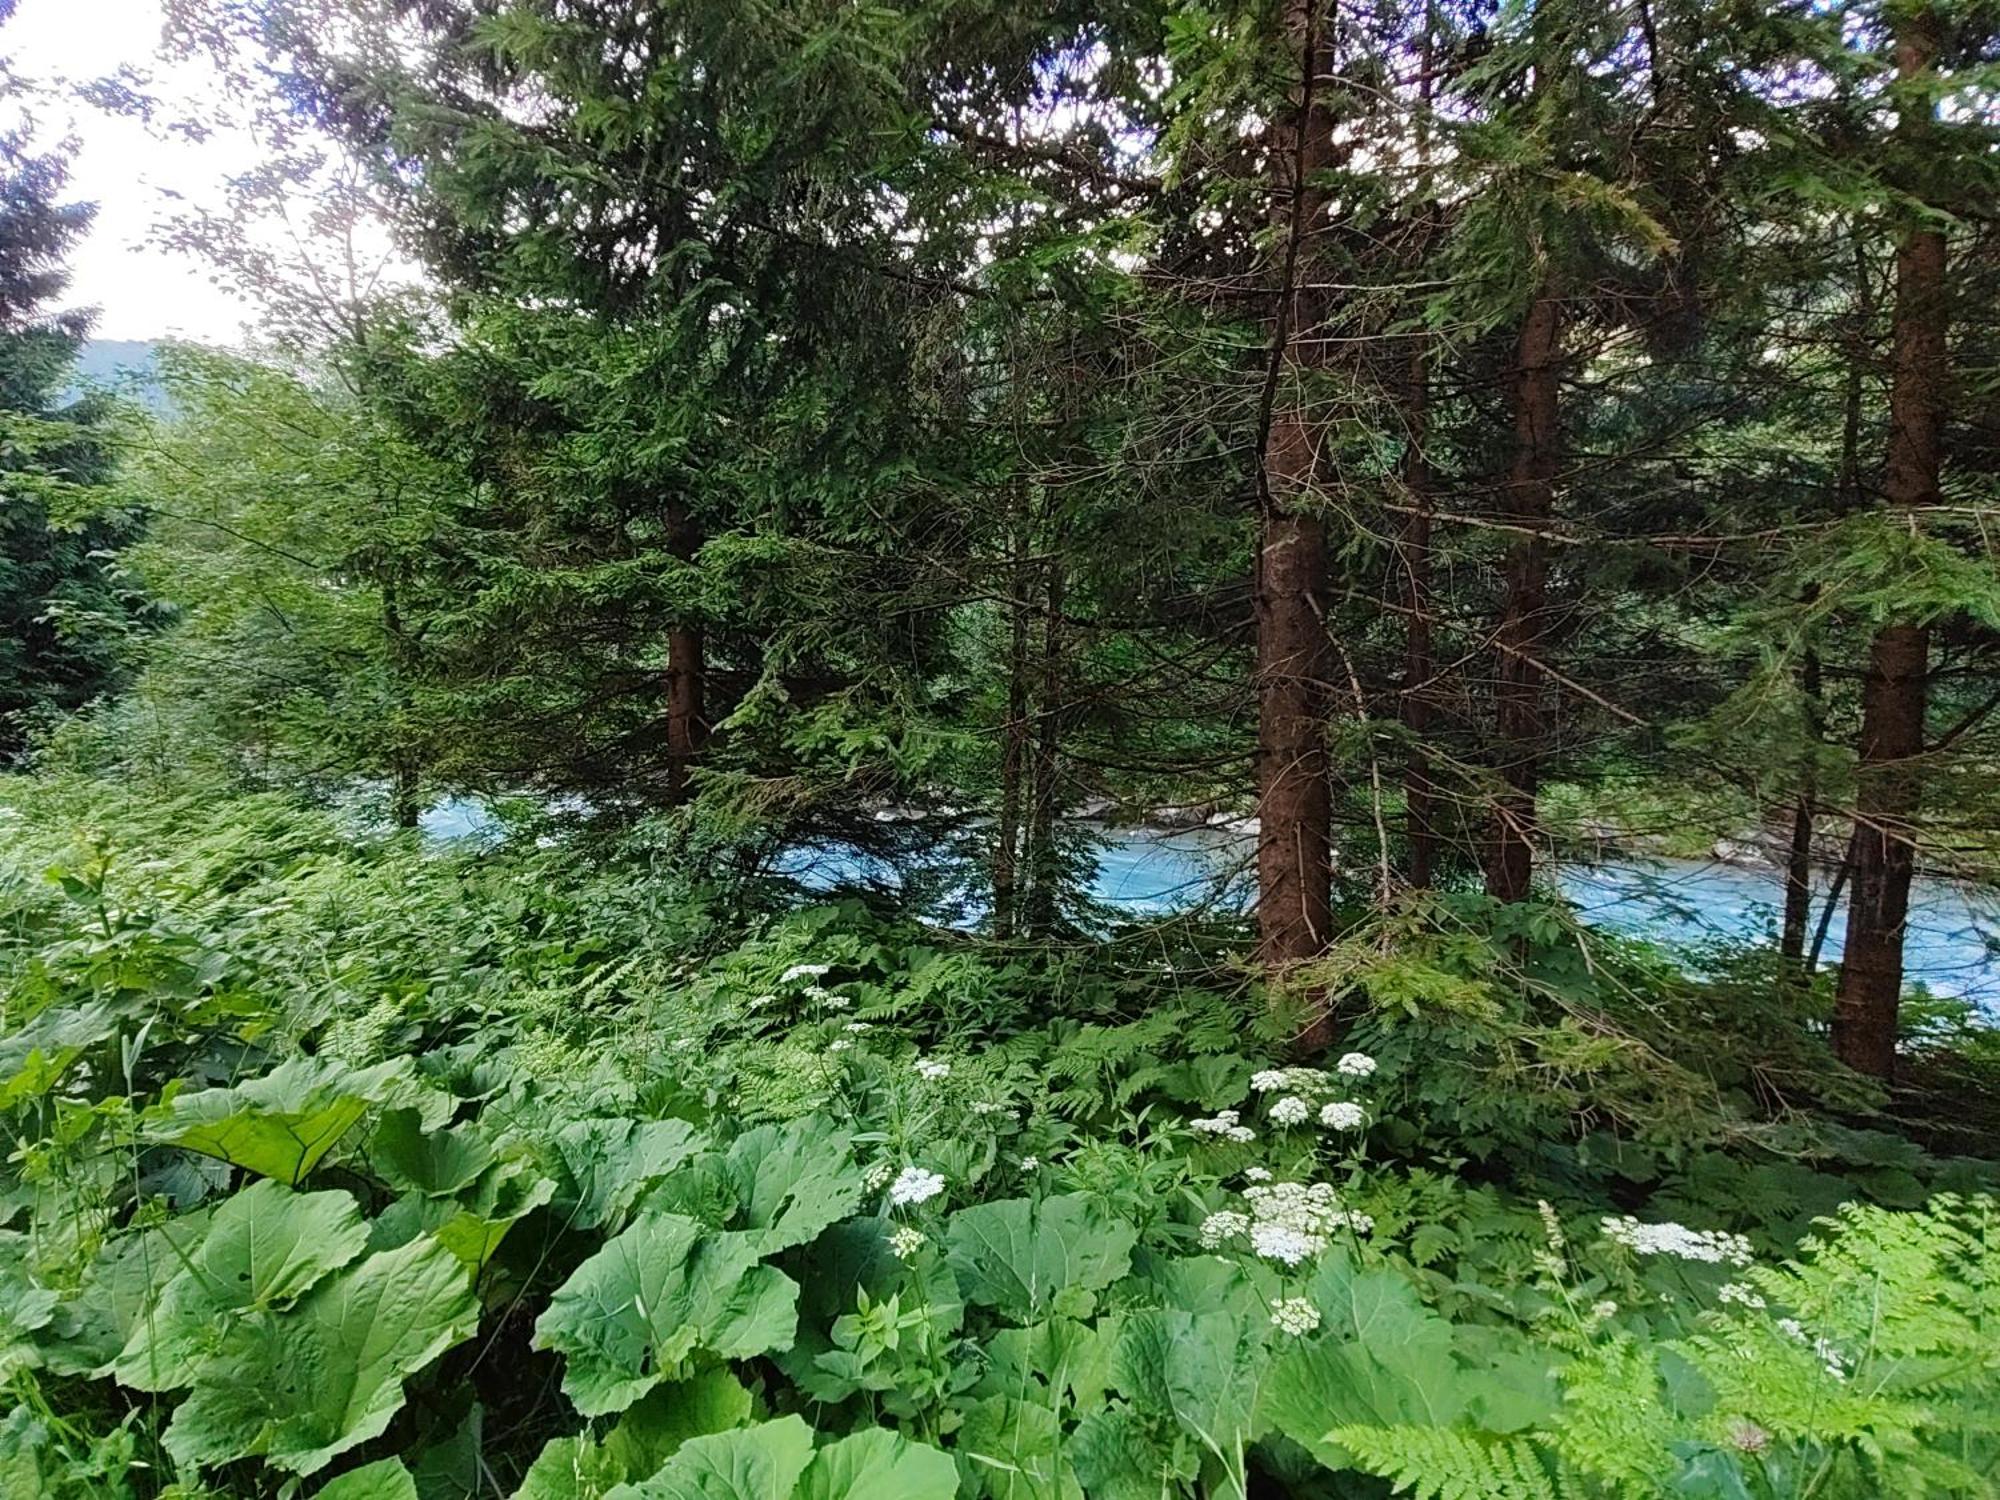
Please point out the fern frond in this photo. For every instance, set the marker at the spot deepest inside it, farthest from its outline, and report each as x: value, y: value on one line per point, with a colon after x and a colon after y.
x: 1443, y: 1463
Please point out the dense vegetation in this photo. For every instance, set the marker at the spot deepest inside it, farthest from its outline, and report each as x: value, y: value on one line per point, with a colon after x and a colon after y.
x: 897, y: 438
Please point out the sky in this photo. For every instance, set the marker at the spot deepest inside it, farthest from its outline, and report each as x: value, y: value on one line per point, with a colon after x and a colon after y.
x: 140, y: 291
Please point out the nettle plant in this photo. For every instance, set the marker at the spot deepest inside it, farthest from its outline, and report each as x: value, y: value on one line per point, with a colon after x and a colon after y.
x: 623, y: 1254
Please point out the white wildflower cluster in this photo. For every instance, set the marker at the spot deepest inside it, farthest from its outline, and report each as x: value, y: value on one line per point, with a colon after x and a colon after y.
x: 1030, y: 1163
x: 1599, y: 1311
x: 1223, y: 1123
x: 1294, y: 1080
x: 906, y: 1242
x: 1825, y: 1350
x: 1343, y: 1114
x: 915, y: 1185
x: 1355, y: 1065
x: 839, y: 1044
x: 992, y: 1107
x: 932, y: 1068
x: 1219, y: 1229
x: 825, y: 998
x: 1287, y: 1221
x: 1290, y: 1110
x: 876, y: 1175
x: 1549, y: 1260
x: 1257, y: 1174
x: 1295, y: 1315
x: 763, y: 1000
x: 803, y: 971
x: 1716, y: 1246
x: 855, y: 1028
x: 1738, y: 1292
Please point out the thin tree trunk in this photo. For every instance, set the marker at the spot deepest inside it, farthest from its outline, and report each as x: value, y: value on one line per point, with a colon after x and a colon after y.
x: 1294, y: 804
x: 1889, y: 780
x: 687, y: 728
x: 1799, y: 857
x: 1419, y: 663
x: 1015, y: 732
x: 402, y: 667
x: 1536, y: 402
x: 1045, y: 800
x: 1793, y: 958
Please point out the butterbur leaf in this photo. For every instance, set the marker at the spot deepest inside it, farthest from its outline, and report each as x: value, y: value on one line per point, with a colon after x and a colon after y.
x: 264, y: 1247
x: 656, y: 1294
x: 1117, y: 1457
x: 283, y: 1124
x: 612, y: 1163
x: 1197, y: 1370
x: 878, y: 1465
x: 1018, y: 1254
x: 301, y: 1388
x: 570, y: 1468
x: 751, y: 1463
x: 793, y: 1180
x: 653, y: 1428
x: 35, y: 1056
x: 123, y: 1282
x: 386, y: 1479
x: 1014, y: 1451
x: 436, y: 1163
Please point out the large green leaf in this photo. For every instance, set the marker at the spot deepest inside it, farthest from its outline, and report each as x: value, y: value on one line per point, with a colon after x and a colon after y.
x: 656, y: 1294
x: 35, y: 1056
x: 1017, y: 1254
x: 386, y: 1479
x: 302, y: 1387
x: 793, y: 1180
x: 264, y: 1247
x: 650, y: 1432
x: 878, y: 1465
x: 435, y: 1163
x: 1014, y: 1451
x: 611, y: 1164
x: 1198, y: 1370
x: 751, y: 1463
x: 283, y: 1124
x: 123, y: 1283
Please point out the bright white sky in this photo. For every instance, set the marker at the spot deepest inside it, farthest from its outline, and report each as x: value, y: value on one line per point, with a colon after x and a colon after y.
x: 141, y: 291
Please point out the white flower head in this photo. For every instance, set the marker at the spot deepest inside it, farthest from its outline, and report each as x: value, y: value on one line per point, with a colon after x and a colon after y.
x: 932, y: 1068
x: 855, y: 1028
x: 834, y: 1002
x: 839, y: 1044
x: 761, y: 1001
x: 1355, y: 1065
x: 1296, y: 1316
x: 1029, y: 1163
x: 1257, y: 1174
x: 1290, y: 1110
x: 1602, y: 1310
x: 906, y: 1242
x: 802, y: 971
x: 1282, y: 1242
x: 1342, y: 1115
x: 1740, y: 1293
x: 915, y: 1185
x: 1219, y: 1229
x: 1715, y: 1246
x: 876, y: 1175
x: 1269, y: 1079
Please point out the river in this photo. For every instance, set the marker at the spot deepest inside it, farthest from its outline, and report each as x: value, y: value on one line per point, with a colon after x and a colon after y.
x: 1952, y: 946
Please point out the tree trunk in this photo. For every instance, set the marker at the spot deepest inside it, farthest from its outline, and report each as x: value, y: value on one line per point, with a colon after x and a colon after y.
x: 404, y: 772
x: 1889, y: 778
x: 1294, y: 804
x: 687, y: 727
x: 1530, y: 494
x: 1799, y: 857
x: 1015, y: 732
x: 1419, y: 795
x: 1045, y: 799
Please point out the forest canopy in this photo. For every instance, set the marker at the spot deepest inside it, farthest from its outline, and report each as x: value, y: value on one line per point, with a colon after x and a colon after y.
x: 559, y: 842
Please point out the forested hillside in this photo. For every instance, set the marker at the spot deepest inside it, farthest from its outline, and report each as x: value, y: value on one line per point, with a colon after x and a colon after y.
x: 568, y: 844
